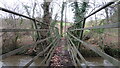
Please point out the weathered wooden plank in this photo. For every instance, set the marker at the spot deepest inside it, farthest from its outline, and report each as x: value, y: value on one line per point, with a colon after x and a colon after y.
x: 102, y: 54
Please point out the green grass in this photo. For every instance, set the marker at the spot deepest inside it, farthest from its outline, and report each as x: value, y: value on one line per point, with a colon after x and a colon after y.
x: 67, y: 24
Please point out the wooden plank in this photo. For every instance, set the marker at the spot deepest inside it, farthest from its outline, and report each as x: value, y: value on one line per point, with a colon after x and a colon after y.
x: 102, y: 54
x: 21, y: 48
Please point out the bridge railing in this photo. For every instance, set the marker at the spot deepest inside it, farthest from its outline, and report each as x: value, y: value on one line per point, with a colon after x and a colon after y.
x: 20, y: 30
x: 55, y: 36
x: 87, y: 45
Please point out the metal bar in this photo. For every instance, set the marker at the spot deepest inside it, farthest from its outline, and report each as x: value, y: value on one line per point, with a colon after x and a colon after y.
x: 73, y: 58
x: 34, y: 20
x: 9, y: 11
x: 81, y: 36
x: 108, y: 4
x: 31, y: 61
x: 21, y: 30
x: 82, y: 58
x: 81, y: 33
x: 36, y: 27
x: 78, y: 61
x: 102, y: 54
x: 22, y: 48
x: 115, y: 25
x: 75, y: 54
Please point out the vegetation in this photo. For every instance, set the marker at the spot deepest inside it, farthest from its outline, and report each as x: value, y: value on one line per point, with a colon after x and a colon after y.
x: 49, y: 20
x: 79, y: 9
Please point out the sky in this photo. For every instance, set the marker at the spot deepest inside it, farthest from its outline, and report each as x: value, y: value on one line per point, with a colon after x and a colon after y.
x: 69, y: 13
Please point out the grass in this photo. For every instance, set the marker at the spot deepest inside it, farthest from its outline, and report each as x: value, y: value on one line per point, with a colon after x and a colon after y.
x: 67, y: 24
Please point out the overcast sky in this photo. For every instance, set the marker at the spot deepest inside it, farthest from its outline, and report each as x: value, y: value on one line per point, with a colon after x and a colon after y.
x: 69, y: 14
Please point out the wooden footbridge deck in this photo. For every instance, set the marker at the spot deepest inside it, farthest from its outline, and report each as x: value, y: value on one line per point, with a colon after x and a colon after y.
x: 62, y: 51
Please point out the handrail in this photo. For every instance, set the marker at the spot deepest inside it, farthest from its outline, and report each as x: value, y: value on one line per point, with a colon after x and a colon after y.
x: 106, y: 5
x: 82, y: 58
x: 9, y: 11
x: 33, y: 19
x: 73, y: 57
x: 31, y: 61
x: 21, y: 48
x: 102, y: 54
x: 75, y: 54
x: 115, y: 25
x: 78, y: 62
x: 21, y: 30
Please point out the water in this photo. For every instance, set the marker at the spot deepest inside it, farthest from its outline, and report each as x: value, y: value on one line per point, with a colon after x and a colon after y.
x: 20, y: 60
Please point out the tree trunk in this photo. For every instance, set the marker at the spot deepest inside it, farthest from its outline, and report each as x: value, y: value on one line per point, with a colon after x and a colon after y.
x: 47, y: 20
